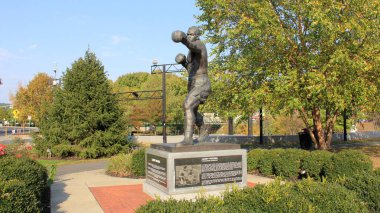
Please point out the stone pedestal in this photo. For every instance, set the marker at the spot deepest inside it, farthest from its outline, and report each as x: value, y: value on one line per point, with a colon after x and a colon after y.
x: 185, y: 171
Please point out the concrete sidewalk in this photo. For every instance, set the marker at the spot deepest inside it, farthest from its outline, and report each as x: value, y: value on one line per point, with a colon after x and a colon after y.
x: 70, y: 193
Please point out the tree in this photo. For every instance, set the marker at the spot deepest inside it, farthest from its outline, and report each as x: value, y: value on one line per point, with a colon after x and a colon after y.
x: 5, y: 114
x: 84, y: 117
x: 33, y: 99
x: 312, y: 57
x: 150, y: 111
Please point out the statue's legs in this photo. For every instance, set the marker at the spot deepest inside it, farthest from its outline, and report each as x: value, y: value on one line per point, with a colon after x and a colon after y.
x: 190, y: 104
x: 203, y: 130
x: 199, y: 91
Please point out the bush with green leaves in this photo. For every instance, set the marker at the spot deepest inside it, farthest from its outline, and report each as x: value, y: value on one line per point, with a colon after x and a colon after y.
x: 253, y: 158
x: 24, y: 173
x: 128, y: 165
x: 347, y: 163
x: 16, y: 196
x: 200, y: 205
x: 367, y: 187
x: 138, y: 163
x: 314, y: 164
x: 120, y: 165
x: 302, y: 196
x: 377, y: 172
x: 287, y: 163
x: 65, y: 150
x: 265, y: 163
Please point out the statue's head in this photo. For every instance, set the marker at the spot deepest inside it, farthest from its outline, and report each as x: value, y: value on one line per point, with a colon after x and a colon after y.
x: 193, y: 33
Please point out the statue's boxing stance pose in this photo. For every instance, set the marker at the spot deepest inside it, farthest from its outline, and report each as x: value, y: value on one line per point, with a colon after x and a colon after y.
x: 199, y: 87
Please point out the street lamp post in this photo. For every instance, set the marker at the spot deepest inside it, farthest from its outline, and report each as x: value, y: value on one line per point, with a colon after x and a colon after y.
x: 261, y: 126
x: 164, y: 68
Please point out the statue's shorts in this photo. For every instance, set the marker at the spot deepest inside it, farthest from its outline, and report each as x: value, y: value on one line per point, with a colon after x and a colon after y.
x: 200, y: 88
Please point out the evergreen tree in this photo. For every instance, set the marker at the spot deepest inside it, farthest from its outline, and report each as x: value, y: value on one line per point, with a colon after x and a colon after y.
x: 84, y: 118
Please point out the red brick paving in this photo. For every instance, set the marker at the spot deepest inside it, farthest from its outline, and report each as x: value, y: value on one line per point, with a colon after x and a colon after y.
x: 123, y: 199
x: 115, y: 199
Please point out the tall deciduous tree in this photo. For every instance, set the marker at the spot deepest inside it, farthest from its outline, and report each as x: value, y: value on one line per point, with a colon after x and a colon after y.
x: 84, y: 113
x: 150, y: 111
x: 315, y: 57
x: 33, y: 99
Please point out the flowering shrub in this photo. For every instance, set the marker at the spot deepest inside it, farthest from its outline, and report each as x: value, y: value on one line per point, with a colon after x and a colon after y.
x: 17, y: 148
x: 2, y: 149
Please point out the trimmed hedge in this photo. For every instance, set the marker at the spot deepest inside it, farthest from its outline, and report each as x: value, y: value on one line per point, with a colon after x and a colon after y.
x: 16, y: 196
x: 201, y: 205
x: 347, y: 163
x: 265, y: 163
x: 303, y: 196
x: 253, y: 158
x: 22, y: 180
x: 288, y: 163
x: 366, y: 186
x: 315, y: 162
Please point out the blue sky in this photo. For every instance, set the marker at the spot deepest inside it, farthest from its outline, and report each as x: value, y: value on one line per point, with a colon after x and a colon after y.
x: 37, y: 35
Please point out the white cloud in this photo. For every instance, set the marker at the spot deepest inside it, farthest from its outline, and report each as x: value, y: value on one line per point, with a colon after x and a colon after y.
x: 115, y: 39
x: 33, y: 46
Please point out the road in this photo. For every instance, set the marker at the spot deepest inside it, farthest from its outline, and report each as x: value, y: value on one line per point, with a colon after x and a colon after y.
x: 17, y: 130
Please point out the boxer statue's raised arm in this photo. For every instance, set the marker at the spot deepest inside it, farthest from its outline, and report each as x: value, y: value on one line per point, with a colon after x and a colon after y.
x: 199, y: 87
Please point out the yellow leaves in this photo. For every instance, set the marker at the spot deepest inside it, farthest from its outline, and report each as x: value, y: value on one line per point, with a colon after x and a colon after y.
x: 31, y: 100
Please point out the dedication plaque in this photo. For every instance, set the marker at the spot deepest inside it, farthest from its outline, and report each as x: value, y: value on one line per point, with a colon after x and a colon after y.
x: 204, y: 171
x: 157, y: 169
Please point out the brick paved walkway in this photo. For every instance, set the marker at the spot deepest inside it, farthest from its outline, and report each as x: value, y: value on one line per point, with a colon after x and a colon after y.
x: 123, y: 199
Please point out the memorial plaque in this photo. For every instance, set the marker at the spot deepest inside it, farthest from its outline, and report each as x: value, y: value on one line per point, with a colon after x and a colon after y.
x: 156, y: 169
x: 204, y: 171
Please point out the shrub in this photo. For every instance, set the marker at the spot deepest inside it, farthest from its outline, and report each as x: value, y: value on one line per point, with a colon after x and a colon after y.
x: 65, y: 150
x: 329, y: 197
x: 253, y: 158
x: 366, y: 186
x: 315, y: 162
x: 348, y: 163
x: 138, y: 163
x: 128, y: 165
x: 120, y: 165
x: 25, y: 172
x: 265, y: 163
x: 113, y: 150
x: 18, y: 148
x: 265, y: 198
x: 303, y: 196
x: 288, y: 163
x: 2, y: 149
x: 31, y: 172
x: 171, y: 205
x: 16, y: 196
x: 93, y: 152
x: 377, y: 171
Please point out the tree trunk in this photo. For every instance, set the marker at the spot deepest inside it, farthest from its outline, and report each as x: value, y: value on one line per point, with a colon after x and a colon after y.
x: 317, y: 133
x: 318, y: 128
x: 330, y: 121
